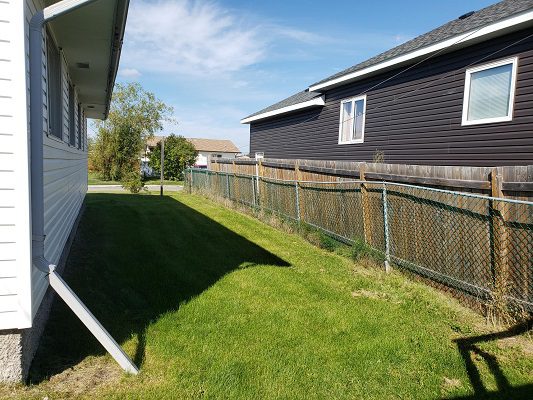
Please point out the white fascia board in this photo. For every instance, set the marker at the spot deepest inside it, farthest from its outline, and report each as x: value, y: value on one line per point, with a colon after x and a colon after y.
x: 319, y: 101
x: 62, y: 7
x: 456, y: 40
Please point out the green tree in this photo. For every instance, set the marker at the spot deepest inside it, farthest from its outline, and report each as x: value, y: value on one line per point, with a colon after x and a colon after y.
x: 134, y: 116
x: 179, y: 154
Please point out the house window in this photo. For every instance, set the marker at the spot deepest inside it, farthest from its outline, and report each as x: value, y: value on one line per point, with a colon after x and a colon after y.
x: 489, y: 92
x: 352, y: 120
x: 71, y: 116
x: 54, y: 89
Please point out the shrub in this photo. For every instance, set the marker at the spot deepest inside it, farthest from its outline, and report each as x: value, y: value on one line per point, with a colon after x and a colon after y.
x: 133, y: 182
x: 361, y: 250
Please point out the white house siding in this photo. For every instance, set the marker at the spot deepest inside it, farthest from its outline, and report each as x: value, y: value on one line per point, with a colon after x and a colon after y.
x: 204, y: 157
x: 65, y: 175
x: 15, y: 241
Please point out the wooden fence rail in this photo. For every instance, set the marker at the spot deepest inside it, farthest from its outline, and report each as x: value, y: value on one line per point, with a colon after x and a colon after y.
x: 516, y: 182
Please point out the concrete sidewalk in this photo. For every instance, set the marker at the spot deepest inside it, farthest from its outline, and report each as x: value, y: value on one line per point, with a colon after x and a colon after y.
x: 118, y: 188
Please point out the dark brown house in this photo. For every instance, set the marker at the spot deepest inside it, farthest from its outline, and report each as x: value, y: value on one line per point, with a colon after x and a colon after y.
x: 461, y: 94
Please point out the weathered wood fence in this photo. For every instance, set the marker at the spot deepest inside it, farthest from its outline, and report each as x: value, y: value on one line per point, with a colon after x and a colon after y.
x: 513, y: 182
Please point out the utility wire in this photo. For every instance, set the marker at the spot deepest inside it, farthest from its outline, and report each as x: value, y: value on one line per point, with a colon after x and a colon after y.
x: 426, y: 85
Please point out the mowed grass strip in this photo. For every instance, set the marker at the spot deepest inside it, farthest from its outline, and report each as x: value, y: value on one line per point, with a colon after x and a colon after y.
x: 211, y: 303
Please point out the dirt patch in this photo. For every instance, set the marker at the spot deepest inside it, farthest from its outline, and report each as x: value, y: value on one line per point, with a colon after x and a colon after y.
x: 90, y: 376
x: 369, y: 294
x: 450, y: 384
x: 524, y: 344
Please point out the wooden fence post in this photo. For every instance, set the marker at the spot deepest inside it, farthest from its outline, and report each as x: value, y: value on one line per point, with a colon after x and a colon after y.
x: 297, y: 188
x: 367, y: 222
x: 498, y: 234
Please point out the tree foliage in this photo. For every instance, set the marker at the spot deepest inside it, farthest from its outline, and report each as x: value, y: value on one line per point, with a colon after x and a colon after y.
x: 134, y: 116
x: 179, y: 154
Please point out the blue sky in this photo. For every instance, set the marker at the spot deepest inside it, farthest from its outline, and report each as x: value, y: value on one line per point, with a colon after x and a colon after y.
x: 216, y: 62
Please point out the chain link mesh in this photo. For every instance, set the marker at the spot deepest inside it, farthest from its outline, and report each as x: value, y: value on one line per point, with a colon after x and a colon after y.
x: 480, y: 246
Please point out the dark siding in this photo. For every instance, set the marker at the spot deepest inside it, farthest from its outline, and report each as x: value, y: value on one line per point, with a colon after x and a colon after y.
x: 414, y: 118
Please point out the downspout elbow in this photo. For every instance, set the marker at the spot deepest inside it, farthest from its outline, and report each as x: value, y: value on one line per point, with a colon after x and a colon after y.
x: 43, y: 265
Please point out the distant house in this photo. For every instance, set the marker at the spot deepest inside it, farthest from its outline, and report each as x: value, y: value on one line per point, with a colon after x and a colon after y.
x: 57, y: 68
x: 458, y: 95
x: 208, y: 149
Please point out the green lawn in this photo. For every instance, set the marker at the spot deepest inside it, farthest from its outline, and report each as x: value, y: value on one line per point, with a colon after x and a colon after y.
x: 165, y: 182
x: 211, y: 303
x: 94, y: 180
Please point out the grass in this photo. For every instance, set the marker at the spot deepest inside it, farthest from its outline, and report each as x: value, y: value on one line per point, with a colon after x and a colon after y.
x: 95, y: 180
x: 212, y: 303
x: 165, y: 182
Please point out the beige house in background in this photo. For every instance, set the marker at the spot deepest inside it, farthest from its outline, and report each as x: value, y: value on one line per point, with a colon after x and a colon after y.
x: 208, y: 149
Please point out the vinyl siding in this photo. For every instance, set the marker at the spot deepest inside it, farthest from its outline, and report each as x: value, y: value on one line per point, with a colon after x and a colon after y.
x: 65, y: 177
x: 414, y: 118
x: 14, y: 191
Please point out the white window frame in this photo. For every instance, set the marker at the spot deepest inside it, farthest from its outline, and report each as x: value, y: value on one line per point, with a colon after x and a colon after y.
x: 353, y: 100
x: 509, y: 117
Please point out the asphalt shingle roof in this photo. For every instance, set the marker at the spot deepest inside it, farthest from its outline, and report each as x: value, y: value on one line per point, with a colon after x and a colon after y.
x: 453, y: 28
x: 218, y: 145
x: 297, y: 98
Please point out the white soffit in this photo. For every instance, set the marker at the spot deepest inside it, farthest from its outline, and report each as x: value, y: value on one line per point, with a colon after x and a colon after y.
x: 86, y: 37
x: 319, y: 101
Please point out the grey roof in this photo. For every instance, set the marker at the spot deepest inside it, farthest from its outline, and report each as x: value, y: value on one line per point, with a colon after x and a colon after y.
x: 289, y: 101
x: 453, y: 28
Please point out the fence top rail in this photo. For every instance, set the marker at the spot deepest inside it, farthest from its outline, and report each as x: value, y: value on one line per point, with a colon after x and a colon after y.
x: 386, y: 183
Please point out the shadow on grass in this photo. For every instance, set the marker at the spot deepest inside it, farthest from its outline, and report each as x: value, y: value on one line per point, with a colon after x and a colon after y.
x: 135, y: 258
x: 468, y: 348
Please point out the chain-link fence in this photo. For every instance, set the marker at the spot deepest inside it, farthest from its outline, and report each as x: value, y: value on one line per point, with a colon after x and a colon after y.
x: 480, y: 246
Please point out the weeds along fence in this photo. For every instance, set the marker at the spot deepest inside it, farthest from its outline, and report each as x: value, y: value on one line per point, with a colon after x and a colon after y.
x: 477, y: 245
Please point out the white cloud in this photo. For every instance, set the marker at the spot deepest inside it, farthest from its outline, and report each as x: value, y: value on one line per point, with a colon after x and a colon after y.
x: 129, y: 73
x: 191, y: 37
x: 198, y: 37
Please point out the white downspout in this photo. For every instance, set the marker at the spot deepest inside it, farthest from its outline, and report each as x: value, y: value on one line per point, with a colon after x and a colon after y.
x: 39, y: 261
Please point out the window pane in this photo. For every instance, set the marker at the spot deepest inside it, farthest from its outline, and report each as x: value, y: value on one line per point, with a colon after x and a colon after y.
x: 359, y: 109
x: 346, y: 121
x: 490, y: 92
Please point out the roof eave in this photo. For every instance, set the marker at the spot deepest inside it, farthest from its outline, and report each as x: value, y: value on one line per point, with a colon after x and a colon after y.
x: 316, y: 102
x: 498, y: 28
x: 120, y: 26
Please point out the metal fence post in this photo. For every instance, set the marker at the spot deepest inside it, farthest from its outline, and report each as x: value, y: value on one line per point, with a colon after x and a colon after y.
x: 254, y: 198
x: 386, y: 228
x: 296, y: 184
x: 227, y: 186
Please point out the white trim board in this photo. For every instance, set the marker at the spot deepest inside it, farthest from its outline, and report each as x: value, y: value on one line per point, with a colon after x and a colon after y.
x: 459, y: 40
x: 318, y: 101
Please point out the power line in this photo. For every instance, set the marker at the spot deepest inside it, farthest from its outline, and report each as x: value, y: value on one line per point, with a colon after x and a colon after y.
x: 426, y: 85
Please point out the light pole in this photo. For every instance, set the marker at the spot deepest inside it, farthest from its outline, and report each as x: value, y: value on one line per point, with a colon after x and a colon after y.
x: 162, y: 163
